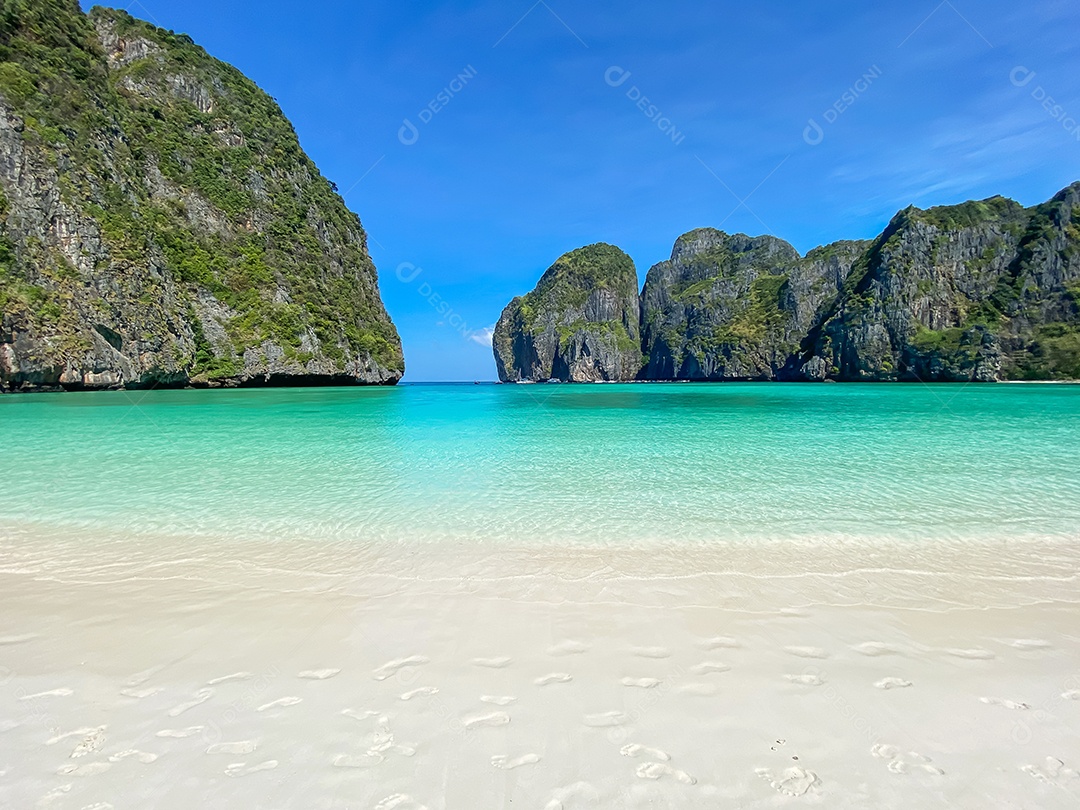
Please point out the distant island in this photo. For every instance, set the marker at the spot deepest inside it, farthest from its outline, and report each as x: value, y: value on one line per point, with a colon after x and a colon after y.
x: 160, y: 224
x: 983, y: 291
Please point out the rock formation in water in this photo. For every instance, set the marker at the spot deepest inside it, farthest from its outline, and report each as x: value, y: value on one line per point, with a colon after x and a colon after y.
x: 733, y: 307
x: 160, y: 224
x: 981, y: 291
x: 580, y: 323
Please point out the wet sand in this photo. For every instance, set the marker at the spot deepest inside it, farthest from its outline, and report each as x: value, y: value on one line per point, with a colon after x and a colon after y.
x: 139, y: 673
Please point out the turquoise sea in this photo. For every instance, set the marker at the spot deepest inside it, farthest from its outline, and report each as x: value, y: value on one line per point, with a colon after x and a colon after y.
x: 601, y: 464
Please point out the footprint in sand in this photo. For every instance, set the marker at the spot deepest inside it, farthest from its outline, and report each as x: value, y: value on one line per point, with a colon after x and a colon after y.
x: 658, y: 770
x: 402, y: 801
x: 1030, y: 644
x: 792, y: 782
x: 1007, y: 704
x: 699, y: 689
x: 139, y: 694
x: 707, y: 667
x: 635, y: 750
x: 892, y: 683
x: 579, y: 794
x: 139, y: 678
x: 280, y: 703
x: 359, y: 714
x: 422, y: 691
x: 568, y: 647
x: 19, y: 639
x: 490, y: 719
x: 368, y: 760
x: 90, y: 743
x: 875, y: 648
x: 492, y: 663
x: 382, y: 739
x: 318, y: 674
x: 390, y: 667
x: 242, y: 768
x: 201, y: 696
x: 641, y: 683
x: 498, y: 700
x: 53, y: 794
x: 807, y: 652
x: 901, y: 762
x: 554, y: 677
x: 79, y: 732
x: 239, y: 747
x: 236, y: 676
x: 971, y: 655
x: 144, y: 757
x: 180, y: 733
x: 651, y: 652
x: 606, y: 719
x: 1052, y: 772
x: 89, y: 769
x: 62, y: 692
x: 505, y: 763
x: 379, y: 742
x: 719, y: 643
x: 806, y: 679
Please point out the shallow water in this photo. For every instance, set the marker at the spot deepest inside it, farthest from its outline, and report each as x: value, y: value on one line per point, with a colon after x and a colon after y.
x: 601, y: 465
x: 436, y: 597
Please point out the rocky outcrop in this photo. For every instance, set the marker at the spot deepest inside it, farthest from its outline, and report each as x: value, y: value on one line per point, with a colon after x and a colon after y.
x: 160, y: 225
x: 981, y: 291
x: 580, y: 324
x: 731, y: 307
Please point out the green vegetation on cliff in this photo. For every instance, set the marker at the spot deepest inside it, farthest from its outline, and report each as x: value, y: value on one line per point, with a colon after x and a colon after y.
x: 194, y: 226
x: 580, y: 322
x: 971, y: 213
x: 981, y: 291
x: 568, y: 283
x: 761, y: 313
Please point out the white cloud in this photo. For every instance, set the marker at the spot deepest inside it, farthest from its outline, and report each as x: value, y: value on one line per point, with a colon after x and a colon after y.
x: 483, y: 336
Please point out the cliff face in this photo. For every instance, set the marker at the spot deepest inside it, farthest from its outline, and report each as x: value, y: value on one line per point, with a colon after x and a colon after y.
x: 160, y: 225
x: 580, y: 324
x: 981, y: 291
x: 732, y: 307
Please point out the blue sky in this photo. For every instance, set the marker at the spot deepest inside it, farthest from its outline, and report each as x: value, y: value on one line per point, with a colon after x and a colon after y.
x: 542, y: 147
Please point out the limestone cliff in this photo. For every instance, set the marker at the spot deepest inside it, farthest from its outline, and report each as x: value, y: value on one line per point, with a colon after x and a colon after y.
x: 981, y: 291
x: 580, y: 324
x: 733, y: 307
x: 160, y: 224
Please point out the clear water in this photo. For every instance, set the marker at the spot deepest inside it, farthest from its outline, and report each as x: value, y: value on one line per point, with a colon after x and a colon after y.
x: 606, y: 464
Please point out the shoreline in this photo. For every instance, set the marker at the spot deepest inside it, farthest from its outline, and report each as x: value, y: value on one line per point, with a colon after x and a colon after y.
x: 823, y: 570
x: 454, y: 677
x: 750, y: 597
x: 59, y: 389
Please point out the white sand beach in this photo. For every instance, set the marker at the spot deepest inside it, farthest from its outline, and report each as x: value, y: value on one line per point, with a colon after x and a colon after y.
x: 829, y: 676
